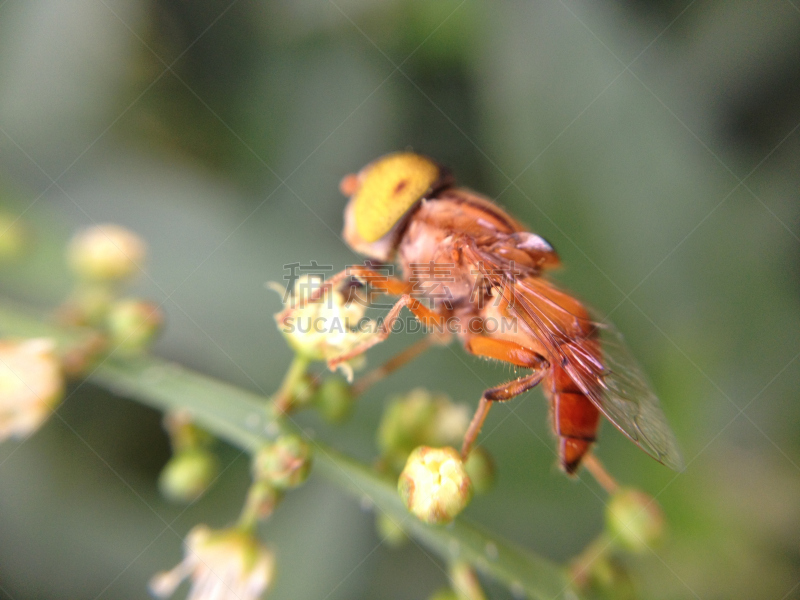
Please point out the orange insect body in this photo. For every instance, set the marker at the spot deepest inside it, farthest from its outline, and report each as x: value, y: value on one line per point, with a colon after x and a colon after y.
x: 494, y: 271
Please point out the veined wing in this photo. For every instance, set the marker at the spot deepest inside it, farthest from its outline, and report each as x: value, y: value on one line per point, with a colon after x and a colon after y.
x: 615, y: 384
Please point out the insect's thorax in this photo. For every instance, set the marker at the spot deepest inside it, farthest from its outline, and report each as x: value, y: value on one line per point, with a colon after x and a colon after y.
x: 431, y: 254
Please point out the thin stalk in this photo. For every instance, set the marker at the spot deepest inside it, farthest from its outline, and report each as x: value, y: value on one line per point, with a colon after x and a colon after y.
x: 238, y: 416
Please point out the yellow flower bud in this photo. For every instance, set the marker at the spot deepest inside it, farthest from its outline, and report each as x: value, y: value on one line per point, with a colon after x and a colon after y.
x: 434, y: 484
x: 31, y: 385
x: 325, y: 328
x: 106, y: 253
x: 635, y: 519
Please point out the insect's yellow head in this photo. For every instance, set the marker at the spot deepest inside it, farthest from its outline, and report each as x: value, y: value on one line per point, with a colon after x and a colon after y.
x: 381, y: 194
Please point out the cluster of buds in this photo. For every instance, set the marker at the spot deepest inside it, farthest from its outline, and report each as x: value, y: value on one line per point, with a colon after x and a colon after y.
x: 193, y: 466
x: 31, y: 385
x: 421, y: 418
x: 325, y: 327
x: 103, y: 258
x: 228, y: 564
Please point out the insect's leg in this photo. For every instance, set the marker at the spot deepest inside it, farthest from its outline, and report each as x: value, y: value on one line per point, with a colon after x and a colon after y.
x: 506, y: 351
x: 381, y: 283
x: 427, y: 316
x: 391, y: 365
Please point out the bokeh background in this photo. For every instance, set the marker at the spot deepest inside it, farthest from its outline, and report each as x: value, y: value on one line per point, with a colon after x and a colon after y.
x: 655, y: 143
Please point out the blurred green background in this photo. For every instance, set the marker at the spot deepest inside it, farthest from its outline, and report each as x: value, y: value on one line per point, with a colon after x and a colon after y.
x: 653, y: 142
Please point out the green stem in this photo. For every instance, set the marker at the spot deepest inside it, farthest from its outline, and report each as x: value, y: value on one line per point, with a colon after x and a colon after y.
x: 284, y: 397
x: 238, y: 416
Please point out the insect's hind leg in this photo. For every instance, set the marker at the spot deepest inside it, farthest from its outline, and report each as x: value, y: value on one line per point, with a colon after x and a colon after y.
x: 510, y: 352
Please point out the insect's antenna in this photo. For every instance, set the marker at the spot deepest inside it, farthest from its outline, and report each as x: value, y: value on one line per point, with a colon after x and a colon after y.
x: 598, y: 471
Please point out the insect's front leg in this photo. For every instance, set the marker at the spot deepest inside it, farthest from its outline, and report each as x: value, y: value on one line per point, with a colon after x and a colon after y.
x: 380, y: 283
x: 506, y: 351
x: 430, y: 318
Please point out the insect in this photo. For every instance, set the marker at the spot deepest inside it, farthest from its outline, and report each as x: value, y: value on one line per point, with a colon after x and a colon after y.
x: 405, y: 208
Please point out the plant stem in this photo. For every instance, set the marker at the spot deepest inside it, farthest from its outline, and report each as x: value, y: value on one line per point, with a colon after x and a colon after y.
x: 238, y: 416
x: 284, y: 397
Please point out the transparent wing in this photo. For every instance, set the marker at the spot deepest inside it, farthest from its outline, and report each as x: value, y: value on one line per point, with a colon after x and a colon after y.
x: 630, y: 403
x: 615, y: 384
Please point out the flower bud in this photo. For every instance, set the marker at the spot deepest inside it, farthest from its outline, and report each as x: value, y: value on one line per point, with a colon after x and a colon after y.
x: 31, y: 385
x: 434, y: 484
x: 224, y: 565
x: 419, y: 418
x: 635, y: 519
x: 480, y: 468
x: 284, y: 464
x: 334, y: 400
x: 325, y: 328
x: 188, y: 475
x: 106, y: 253
x: 134, y: 324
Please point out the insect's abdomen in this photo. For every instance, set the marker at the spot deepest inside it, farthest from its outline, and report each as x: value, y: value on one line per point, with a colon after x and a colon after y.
x: 575, y: 418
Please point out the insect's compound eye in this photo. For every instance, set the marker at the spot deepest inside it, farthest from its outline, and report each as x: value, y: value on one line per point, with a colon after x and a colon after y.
x: 388, y: 188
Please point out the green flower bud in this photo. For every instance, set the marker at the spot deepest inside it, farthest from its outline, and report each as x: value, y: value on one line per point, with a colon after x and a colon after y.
x: 334, y: 400
x: 390, y: 530
x: 188, y: 474
x: 284, y: 464
x: 635, y: 520
x: 434, y: 484
x: 134, y: 324
x: 419, y: 419
x: 106, y: 253
x: 480, y: 468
